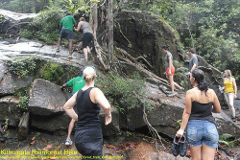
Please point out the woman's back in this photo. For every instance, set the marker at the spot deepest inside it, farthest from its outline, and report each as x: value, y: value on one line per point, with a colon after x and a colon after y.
x: 88, y: 112
x: 86, y: 27
x: 201, y: 104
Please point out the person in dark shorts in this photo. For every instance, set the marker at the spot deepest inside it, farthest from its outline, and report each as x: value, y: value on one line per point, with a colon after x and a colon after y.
x: 88, y: 133
x: 87, y: 35
x: 201, y: 131
x: 66, y: 24
x: 77, y: 83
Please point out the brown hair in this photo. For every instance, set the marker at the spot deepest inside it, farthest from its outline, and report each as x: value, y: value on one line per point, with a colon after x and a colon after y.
x: 82, y: 19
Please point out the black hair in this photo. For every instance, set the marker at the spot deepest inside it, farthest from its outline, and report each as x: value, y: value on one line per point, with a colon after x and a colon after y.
x: 166, y: 47
x: 68, y: 14
x: 199, y: 77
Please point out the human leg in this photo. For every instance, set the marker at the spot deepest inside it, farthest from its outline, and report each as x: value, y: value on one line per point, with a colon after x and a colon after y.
x: 70, y: 128
x: 208, y: 153
x: 88, y: 49
x: 196, y: 152
x: 170, y: 78
x: 85, y: 52
x: 70, y: 41
x: 58, y: 44
x: 230, y: 99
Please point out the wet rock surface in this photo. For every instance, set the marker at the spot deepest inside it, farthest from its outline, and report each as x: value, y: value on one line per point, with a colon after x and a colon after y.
x: 9, y: 111
x: 46, y: 98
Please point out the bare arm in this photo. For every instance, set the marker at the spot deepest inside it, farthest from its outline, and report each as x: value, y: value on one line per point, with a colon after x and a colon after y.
x: 103, y: 102
x: 68, y: 107
x: 235, y: 87
x: 193, y: 67
x: 186, y: 114
x: 79, y: 26
x: 63, y: 86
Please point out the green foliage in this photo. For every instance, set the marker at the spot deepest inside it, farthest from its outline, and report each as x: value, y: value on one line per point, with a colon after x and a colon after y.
x: 22, y: 67
x: 23, y: 95
x: 228, y: 140
x: 121, y: 92
x: 125, y: 133
x: 46, y: 26
x: 26, y: 33
x: 51, y: 71
x: 23, y: 103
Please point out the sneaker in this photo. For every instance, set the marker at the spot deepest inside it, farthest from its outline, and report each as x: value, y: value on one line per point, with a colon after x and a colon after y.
x: 58, y: 50
x: 170, y: 95
x: 175, y: 146
x: 182, y: 146
x: 68, y: 142
x: 181, y: 91
x: 234, y: 119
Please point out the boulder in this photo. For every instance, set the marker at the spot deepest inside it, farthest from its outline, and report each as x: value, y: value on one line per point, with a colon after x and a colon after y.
x: 141, y: 34
x: 46, y: 98
x: 23, y: 127
x: 165, y: 114
x: 50, y: 123
x: 10, y: 83
x: 12, y: 21
x: 113, y: 127
x: 9, y: 110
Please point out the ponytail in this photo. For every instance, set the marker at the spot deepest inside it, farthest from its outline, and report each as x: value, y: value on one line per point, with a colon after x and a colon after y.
x: 199, y: 77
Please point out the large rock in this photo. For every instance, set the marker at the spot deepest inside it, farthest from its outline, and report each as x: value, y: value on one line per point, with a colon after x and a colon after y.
x: 23, y: 126
x: 10, y: 83
x: 113, y: 127
x: 144, y: 35
x: 50, y: 123
x: 165, y: 114
x: 46, y: 98
x: 12, y: 21
x: 9, y: 110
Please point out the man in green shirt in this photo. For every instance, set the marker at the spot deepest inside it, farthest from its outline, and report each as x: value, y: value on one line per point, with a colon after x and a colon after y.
x: 77, y: 83
x: 66, y: 24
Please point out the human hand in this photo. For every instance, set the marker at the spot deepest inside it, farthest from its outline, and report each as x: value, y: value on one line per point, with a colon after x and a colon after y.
x: 164, y: 73
x: 235, y: 96
x: 179, y: 133
x: 169, y: 72
x: 108, y: 119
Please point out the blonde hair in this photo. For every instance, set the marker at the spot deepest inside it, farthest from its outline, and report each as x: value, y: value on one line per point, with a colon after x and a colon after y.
x: 89, y: 74
x: 229, y: 73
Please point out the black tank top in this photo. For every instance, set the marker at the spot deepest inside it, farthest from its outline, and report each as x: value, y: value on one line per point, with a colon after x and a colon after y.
x: 88, y: 112
x: 201, y: 111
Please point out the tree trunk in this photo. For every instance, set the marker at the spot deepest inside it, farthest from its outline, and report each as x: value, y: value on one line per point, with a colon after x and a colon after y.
x: 93, y: 21
x: 110, y: 30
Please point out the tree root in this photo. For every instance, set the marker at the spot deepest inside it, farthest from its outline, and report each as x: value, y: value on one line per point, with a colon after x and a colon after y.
x: 135, y: 60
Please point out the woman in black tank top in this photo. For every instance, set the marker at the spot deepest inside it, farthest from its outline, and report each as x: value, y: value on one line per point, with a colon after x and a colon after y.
x: 201, y: 132
x: 88, y: 133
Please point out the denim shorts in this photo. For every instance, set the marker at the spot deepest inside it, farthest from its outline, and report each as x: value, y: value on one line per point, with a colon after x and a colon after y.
x: 202, y: 131
x: 65, y: 33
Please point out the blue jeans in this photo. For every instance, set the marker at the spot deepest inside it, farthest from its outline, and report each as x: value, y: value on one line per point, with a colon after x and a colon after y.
x: 201, y: 131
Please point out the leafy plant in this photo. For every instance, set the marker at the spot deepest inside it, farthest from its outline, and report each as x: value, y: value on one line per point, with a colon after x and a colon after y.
x: 228, y: 140
x: 23, y: 95
x: 23, y: 103
x: 51, y: 71
x: 121, y: 92
x: 22, y: 67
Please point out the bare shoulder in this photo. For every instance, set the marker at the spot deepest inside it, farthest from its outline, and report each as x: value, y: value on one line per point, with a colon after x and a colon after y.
x: 96, y: 90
